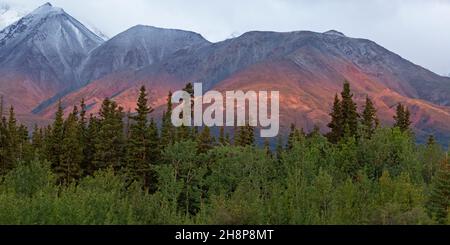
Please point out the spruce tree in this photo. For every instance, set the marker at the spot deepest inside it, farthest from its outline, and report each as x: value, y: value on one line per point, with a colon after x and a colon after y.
x: 69, y: 169
x: 439, y: 202
x: 315, y: 132
x: 110, y: 140
x: 90, y: 140
x: 349, y: 114
x: 10, y: 140
x: 54, y: 147
x: 402, y: 118
x: 37, y: 140
x: 184, y: 132
x: 138, y: 150
x: 167, y: 128
x: 13, y: 140
x: 84, y: 138
x: 222, y: 137
x: 205, y: 140
x: 295, y: 136
x: 245, y: 136
x: 431, y: 141
x: 154, y: 143
x: 266, y: 147
x: 369, y: 119
x: 336, y: 124
x: 279, y: 148
x: 3, y: 138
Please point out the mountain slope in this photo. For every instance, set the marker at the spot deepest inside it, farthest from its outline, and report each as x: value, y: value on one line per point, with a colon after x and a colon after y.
x: 40, y: 56
x: 307, y: 68
x: 136, y: 48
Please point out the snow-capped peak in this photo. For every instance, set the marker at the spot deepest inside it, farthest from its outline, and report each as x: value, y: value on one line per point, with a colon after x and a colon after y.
x: 47, y: 9
x: 334, y: 32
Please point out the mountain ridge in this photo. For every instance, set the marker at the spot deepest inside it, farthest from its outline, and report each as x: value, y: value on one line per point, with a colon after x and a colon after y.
x: 307, y: 67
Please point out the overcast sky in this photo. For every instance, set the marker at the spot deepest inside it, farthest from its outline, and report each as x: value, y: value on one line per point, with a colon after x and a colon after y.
x: 418, y: 30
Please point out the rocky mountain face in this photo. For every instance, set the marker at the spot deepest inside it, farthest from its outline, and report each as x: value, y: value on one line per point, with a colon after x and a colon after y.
x: 308, y: 68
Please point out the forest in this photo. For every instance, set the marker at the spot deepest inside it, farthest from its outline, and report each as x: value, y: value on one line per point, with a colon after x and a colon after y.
x: 123, y: 168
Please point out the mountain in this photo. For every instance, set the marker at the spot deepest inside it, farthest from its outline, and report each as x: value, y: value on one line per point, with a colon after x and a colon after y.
x: 307, y: 68
x: 138, y: 47
x: 40, y: 55
x: 57, y: 58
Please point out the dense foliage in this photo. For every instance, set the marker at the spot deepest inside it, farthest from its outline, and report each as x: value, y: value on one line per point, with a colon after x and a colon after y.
x: 117, y: 169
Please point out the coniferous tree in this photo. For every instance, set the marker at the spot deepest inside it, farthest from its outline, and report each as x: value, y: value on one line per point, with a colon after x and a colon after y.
x: 91, y: 135
x: 110, y: 140
x: 349, y: 114
x: 245, y: 136
x: 54, y: 147
x: 167, y: 128
x: 315, y: 132
x: 227, y: 139
x: 279, y: 148
x: 69, y: 169
x: 3, y: 140
x: 37, y: 141
x: 266, y: 147
x: 13, y: 139
x: 295, y: 136
x: 431, y: 141
x: 402, y: 118
x: 205, y: 140
x: 369, y: 118
x: 155, y: 148
x: 138, y: 150
x: 439, y: 202
x: 87, y: 148
x: 336, y: 124
x: 222, y: 138
x: 185, y: 132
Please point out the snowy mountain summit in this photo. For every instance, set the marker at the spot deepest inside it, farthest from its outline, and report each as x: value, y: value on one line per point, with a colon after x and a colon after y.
x: 335, y: 33
x: 45, y: 49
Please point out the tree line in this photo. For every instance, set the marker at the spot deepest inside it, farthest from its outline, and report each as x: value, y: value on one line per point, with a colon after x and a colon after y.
x: 123, y: 168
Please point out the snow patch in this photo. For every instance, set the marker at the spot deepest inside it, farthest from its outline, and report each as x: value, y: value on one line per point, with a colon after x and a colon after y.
x: 335, y: 33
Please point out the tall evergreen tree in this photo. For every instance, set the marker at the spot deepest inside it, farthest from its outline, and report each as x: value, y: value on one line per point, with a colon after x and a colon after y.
x: 245, y: 136
x: 279, y: 148
x: 431, y: 141
x: 54, y: 149
x: 69, y: 169
x: 85, y: 139
x: 110, y: 140
x: 155, y: 148
x: 349, y: 112
x: 266, y: 147
x: 336, y: 124
x: 369, y: 119
x: 205, y: 140
x: 37, y: 140
x: 138, y: 150
x: 295, y: 136
x: 167, y: 128
x: 10, y: 140
x: 222, y: 136
x: 91, y: 137
x: 439, y: 202
x: 402, y: 118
